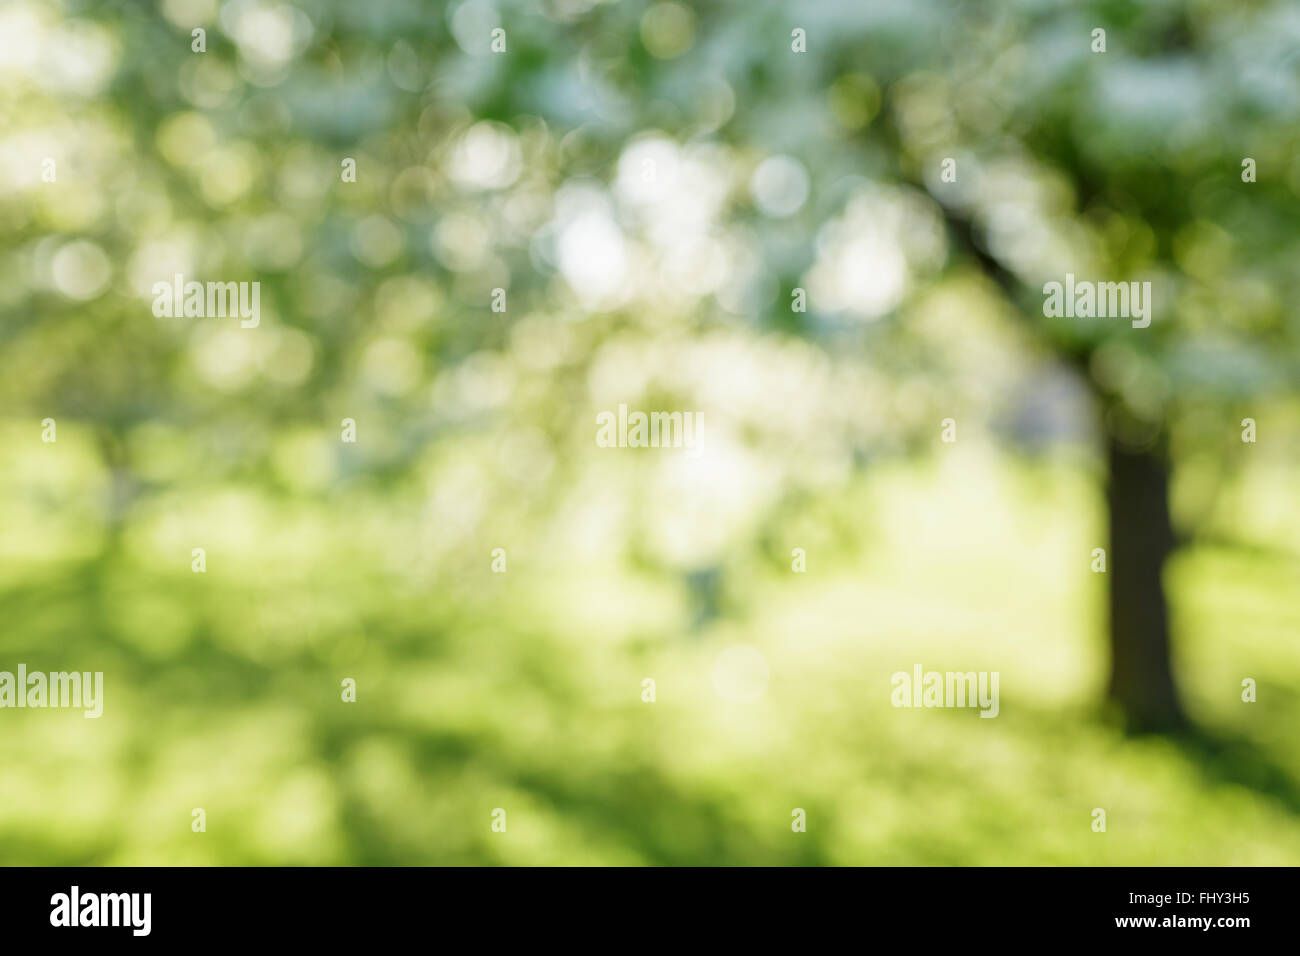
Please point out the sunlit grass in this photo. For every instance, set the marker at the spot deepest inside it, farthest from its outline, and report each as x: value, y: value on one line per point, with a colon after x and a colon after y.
x: 523, y: 691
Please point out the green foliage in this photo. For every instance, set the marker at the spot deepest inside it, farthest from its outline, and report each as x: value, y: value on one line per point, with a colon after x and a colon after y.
x: 668, y: 285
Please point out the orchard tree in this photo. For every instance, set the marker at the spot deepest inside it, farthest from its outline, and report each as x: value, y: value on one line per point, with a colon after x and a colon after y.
x: 410, y: 166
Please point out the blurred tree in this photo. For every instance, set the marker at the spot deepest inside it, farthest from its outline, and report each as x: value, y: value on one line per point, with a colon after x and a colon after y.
x: 1114, y: 165
x: 1131, y: 164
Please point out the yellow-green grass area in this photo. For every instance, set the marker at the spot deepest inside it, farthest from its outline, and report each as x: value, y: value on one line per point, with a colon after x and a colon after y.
x: 524, y: 691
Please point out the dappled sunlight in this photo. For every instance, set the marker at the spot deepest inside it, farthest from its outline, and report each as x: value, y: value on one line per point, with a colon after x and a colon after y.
x: 626, y: 398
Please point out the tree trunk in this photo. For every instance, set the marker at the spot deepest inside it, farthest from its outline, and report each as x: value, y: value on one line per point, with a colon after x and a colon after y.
x: 1141, y: 538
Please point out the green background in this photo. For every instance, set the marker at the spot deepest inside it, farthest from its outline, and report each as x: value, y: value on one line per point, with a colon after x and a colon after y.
x: 523, y: 691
